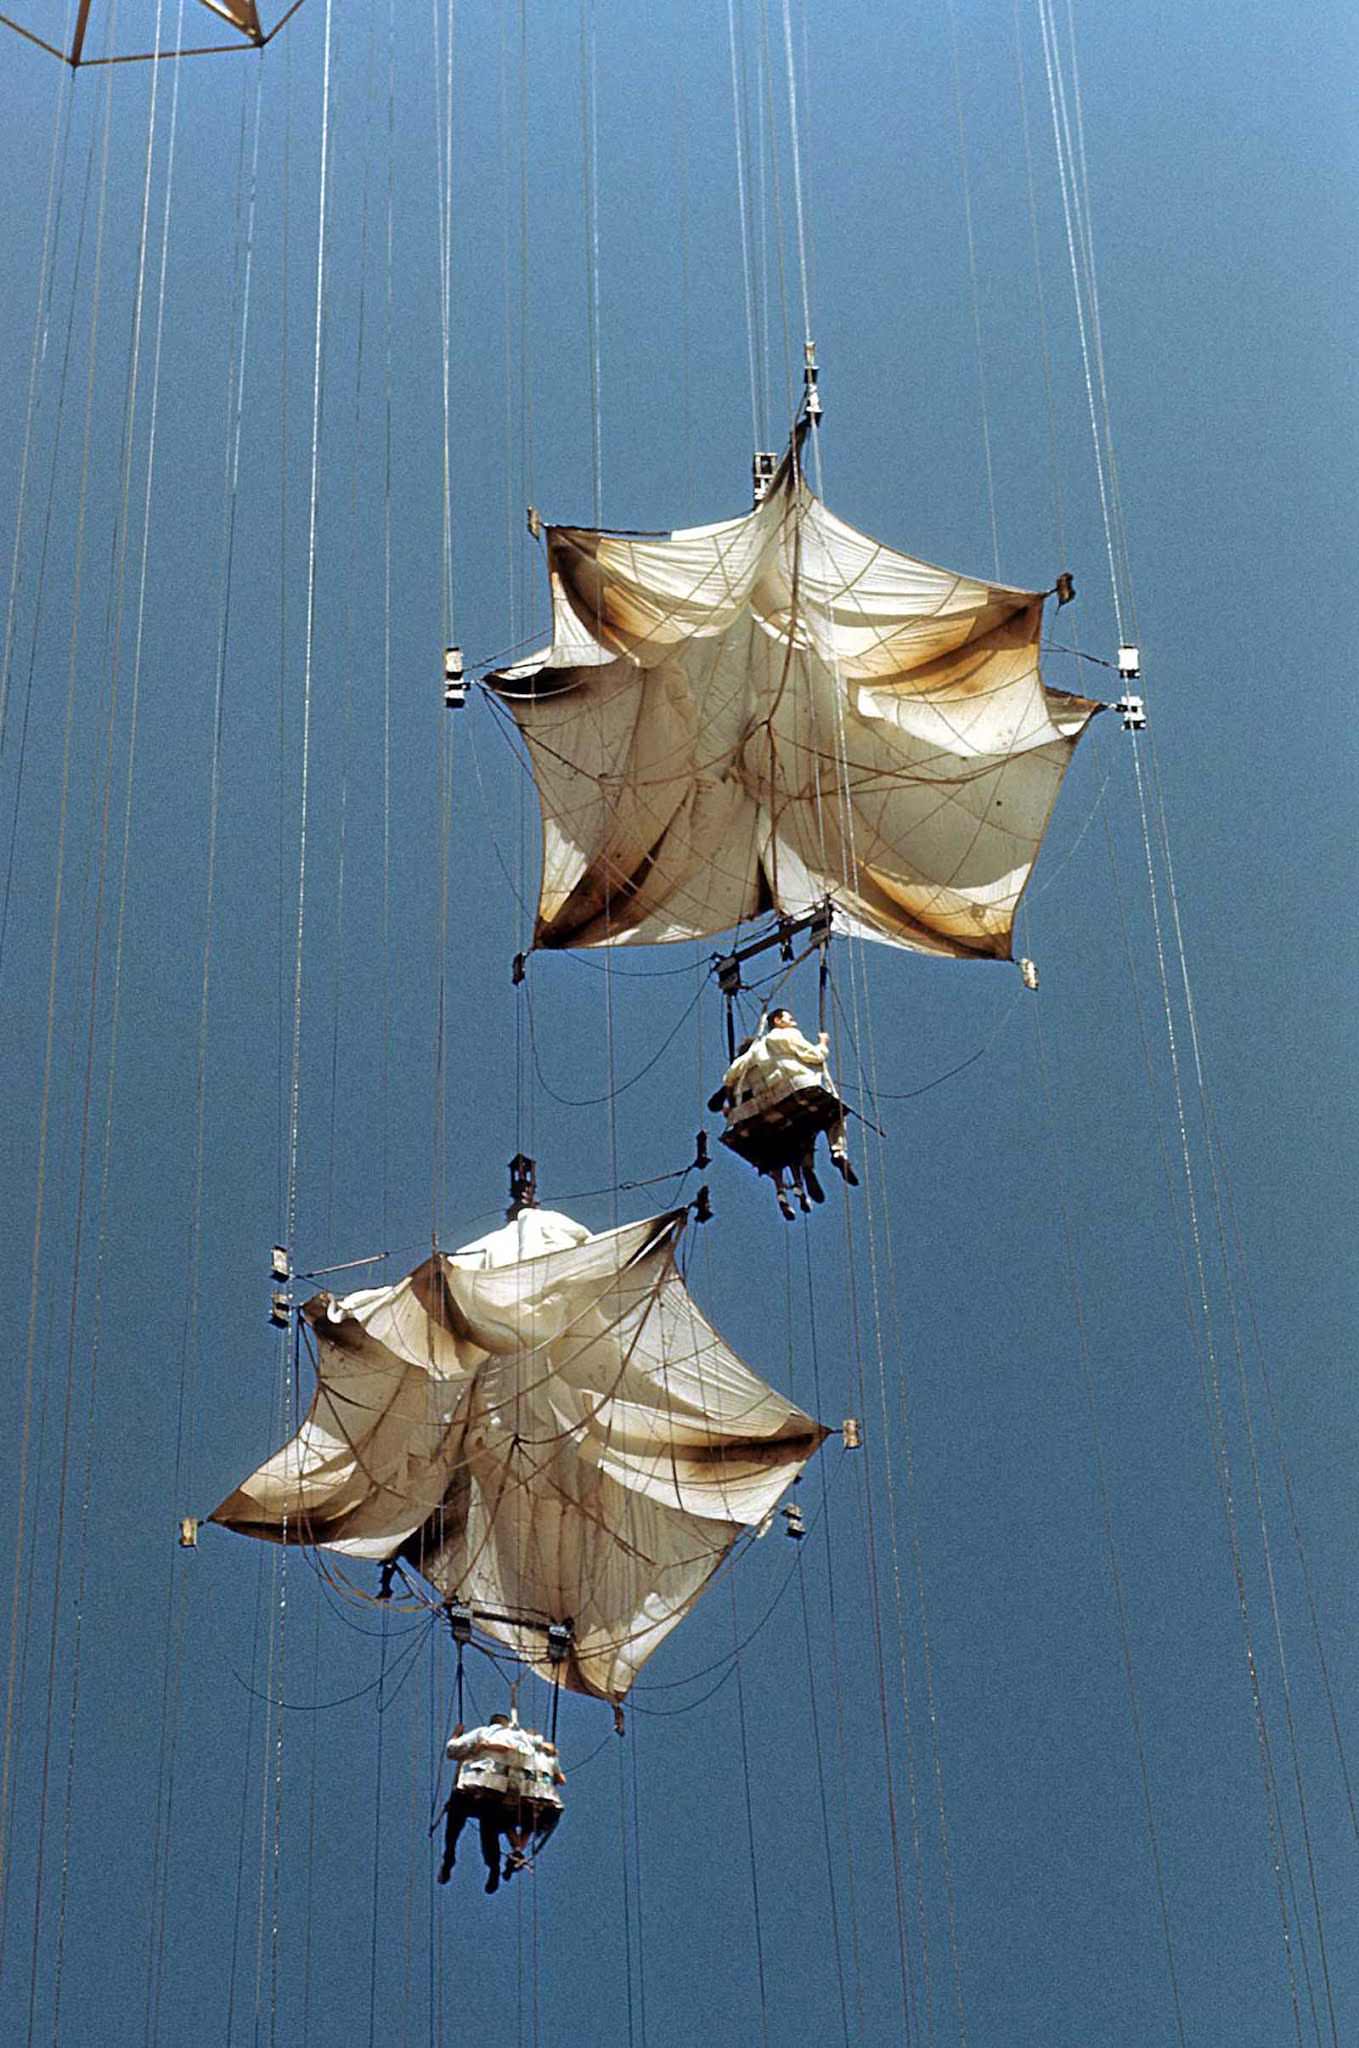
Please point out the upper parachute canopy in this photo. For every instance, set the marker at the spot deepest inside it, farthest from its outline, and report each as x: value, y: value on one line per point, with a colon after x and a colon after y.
x: 242, y: 15
x: 754, y: 716
x: 547, y: 1428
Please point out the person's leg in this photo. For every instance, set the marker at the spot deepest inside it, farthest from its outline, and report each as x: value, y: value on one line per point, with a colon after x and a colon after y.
x: 548, y: 1816
x: 456, y: 1813
x: 839, y: 1152
x: 490, y: 1846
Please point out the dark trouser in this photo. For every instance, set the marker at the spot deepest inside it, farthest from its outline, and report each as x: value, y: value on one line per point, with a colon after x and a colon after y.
x: 459, y: 1811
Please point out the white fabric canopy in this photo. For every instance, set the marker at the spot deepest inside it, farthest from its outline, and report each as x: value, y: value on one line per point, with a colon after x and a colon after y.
x: 547, y: 1434
x: 753, y: 716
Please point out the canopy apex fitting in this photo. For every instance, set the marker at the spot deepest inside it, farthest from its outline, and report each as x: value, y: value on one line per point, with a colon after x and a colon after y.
x: 523, y: 1185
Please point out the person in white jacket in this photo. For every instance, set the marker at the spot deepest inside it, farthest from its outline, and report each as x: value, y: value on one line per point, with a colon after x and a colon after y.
x: 777, y: 1096
x: 509, y: 1777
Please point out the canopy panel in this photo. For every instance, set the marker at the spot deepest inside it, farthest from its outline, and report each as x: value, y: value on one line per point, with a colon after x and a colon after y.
x: 547, y: 1428
x: 757, y: 715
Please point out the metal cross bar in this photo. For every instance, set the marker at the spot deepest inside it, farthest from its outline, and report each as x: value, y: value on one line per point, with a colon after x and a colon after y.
x: 817, y: 923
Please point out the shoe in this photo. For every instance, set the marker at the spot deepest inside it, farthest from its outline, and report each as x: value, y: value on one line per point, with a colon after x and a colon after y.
x: 841, y: 1163
x: 445, y: 1872
x: 493, y: 1880
x: 812, y: 1184
x: 785, y: 1206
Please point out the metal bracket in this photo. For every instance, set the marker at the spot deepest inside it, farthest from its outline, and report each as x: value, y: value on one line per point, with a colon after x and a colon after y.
x: 455, y: 681
x: 811, y: 397
x: 280, y: 1309
x: 1134, y: 712
x: 459, y: 1621
x: 560, y: 1636
x: 818, y: 924
x: 764, y: 468
x: 523, y: 1184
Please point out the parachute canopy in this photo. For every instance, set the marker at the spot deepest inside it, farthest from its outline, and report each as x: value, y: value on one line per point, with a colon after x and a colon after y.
x: 755, y: 716
x: 547, y: 1428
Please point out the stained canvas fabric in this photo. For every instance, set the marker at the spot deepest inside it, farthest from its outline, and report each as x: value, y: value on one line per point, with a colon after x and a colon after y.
x: 551, y: 1437
x: 757, y: 715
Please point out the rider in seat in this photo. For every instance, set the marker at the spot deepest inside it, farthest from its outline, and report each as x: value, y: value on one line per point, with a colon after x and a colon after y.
x: 510, y: 1778
x: 777, y: 1096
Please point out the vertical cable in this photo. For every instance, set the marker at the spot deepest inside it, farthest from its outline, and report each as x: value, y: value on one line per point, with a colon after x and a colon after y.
x: 309, y: 647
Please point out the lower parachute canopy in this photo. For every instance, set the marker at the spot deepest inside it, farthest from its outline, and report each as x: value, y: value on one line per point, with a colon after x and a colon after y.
x: 757, y: 715
x: 546, y: 1427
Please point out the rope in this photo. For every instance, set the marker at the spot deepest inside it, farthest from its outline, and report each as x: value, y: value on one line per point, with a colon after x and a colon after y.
x: 744, y: 212
x: 750, y: 1817
x: 1110, y: 1538
x: 46, y: 1093
x: 1213, y: 1396
x: 970, y: 233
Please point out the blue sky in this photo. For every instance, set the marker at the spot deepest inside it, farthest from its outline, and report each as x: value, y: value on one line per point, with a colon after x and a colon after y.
x: 885, y: 1785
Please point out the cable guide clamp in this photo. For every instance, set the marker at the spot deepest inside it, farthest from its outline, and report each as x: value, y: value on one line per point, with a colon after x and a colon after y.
x: 535, y: 522
x: 280, y: 1309
x: 1064, y: 589
x: 459, y: 1621
x: 850, y: 1431
x: 1134, y: 712
x: 811, y: 397
x: 279, y: 1268
x: 188, y: 1532
x: 560, y: 1636
x: 1028, y: 973
x: 455, y: 680
x: 792, y: 1515
x: 764, y: 467
x: 518, y: 970
x: 703, y: 1208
